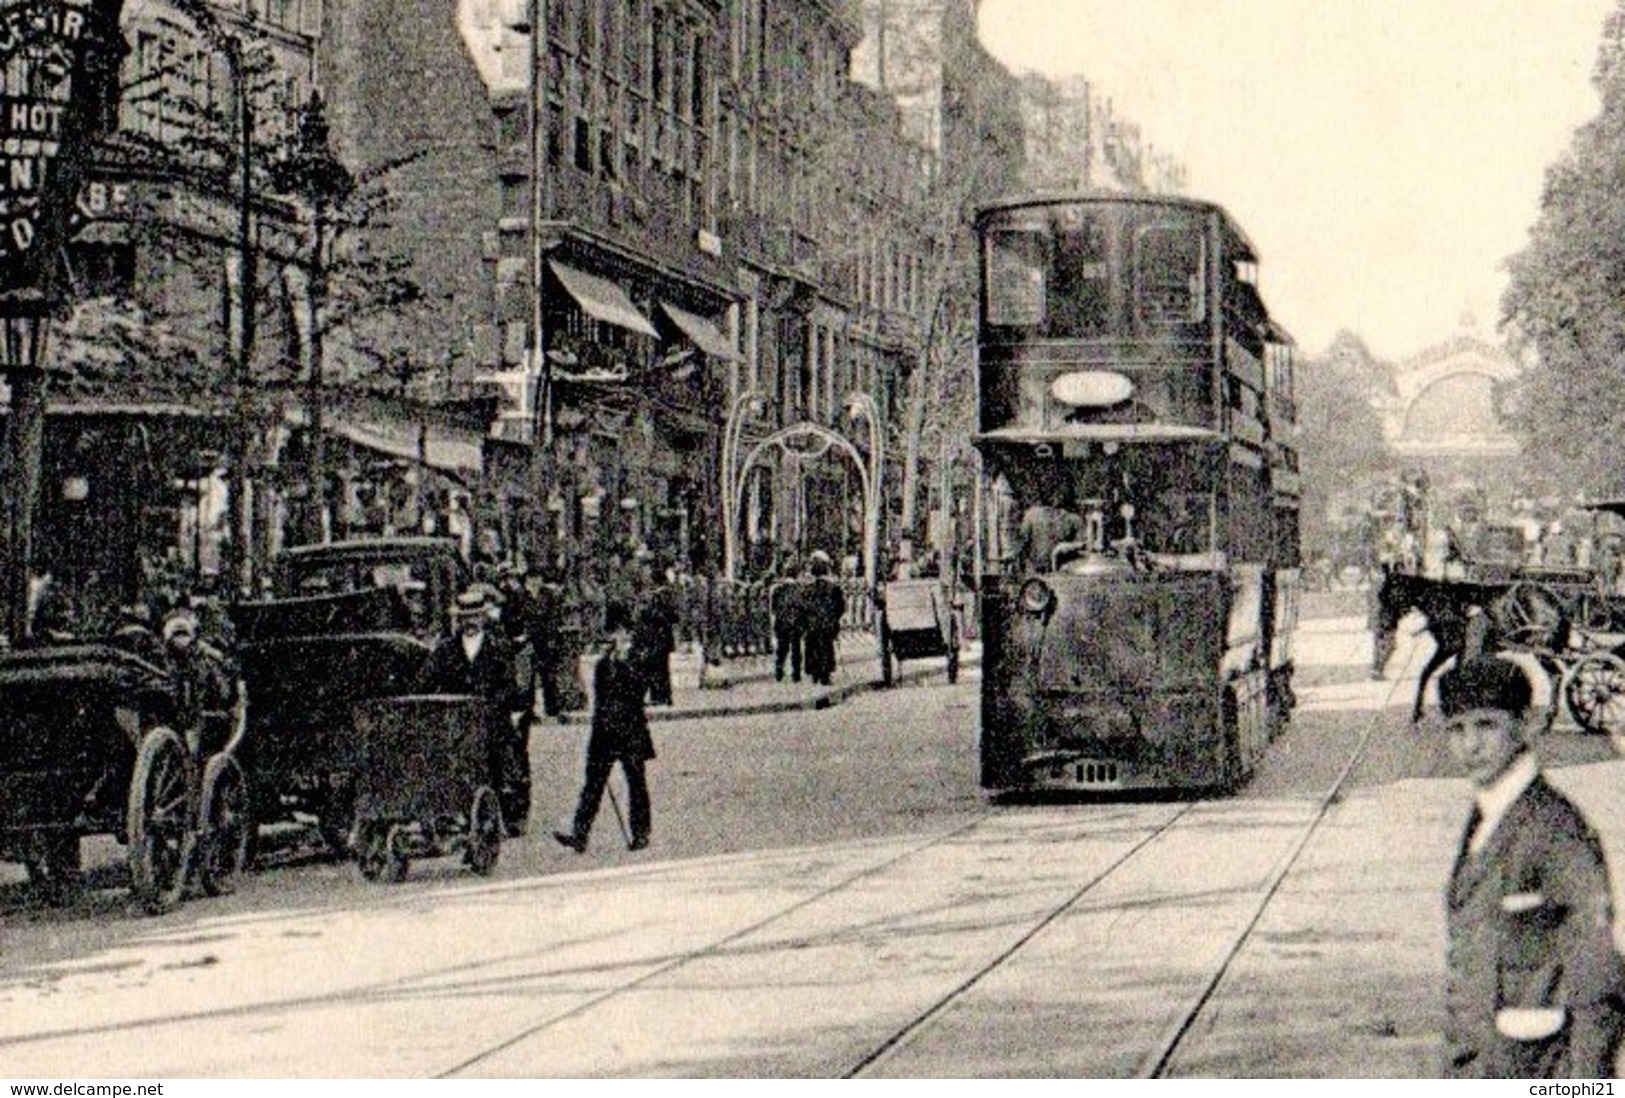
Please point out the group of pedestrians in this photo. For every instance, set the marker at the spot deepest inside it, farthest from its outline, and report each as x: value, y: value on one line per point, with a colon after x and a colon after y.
x: 807, y: 614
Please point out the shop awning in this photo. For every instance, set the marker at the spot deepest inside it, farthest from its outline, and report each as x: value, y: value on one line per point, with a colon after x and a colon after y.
x: 441, y: 450
x: 701, y: 332
x: 602, y: 300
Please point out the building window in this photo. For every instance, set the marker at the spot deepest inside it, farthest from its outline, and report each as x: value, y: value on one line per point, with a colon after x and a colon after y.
x: 583, y: 144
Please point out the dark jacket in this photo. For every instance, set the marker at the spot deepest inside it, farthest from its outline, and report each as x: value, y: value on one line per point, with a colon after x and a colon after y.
x: 654, y: 633
x: 825, y: 604
x: 1530, y: 925
x: 788, y: 602
x: 619, y: 727
x: 490, y: 675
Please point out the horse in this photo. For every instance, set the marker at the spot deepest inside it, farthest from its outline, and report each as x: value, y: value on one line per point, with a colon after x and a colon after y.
x: 1459, y: 618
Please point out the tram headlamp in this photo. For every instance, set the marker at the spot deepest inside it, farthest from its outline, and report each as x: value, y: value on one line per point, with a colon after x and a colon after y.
x: 1036, y: 597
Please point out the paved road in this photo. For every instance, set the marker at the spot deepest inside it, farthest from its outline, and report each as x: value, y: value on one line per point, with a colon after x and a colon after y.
x: 827, y: 895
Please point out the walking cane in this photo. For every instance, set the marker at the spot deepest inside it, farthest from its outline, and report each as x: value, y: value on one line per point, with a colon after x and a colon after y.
x: 615, y: 804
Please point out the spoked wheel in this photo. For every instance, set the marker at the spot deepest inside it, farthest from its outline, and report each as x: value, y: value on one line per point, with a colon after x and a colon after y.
x: 159, y: 821
x: 1530, y: 615
x: 52, y: 862
x: 226, y: 826
x: 1595, y: 692
x: 484, y: 832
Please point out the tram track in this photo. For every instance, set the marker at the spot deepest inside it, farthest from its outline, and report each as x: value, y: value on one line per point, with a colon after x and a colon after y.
x: 1116, y: 844
x: 1156, y: 1062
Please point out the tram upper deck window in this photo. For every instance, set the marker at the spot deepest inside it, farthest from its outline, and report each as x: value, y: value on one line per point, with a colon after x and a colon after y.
x: 1170, y: 274
x: 1016, y: 278
x: 1080, y: 290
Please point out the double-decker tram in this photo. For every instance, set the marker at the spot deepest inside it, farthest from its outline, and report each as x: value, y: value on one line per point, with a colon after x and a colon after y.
x: 1141, y: 488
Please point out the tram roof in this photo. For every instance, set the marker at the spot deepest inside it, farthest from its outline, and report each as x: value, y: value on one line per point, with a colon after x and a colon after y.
x: 1115, y: 198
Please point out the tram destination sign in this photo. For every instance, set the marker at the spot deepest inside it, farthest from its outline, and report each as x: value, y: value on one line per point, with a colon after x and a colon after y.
x: 49, y: 57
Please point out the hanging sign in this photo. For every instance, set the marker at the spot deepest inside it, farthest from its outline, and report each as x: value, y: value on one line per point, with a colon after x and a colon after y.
x: 51, y: 73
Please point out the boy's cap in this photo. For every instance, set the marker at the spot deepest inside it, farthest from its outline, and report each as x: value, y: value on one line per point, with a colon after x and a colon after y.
x: 1485, y: 682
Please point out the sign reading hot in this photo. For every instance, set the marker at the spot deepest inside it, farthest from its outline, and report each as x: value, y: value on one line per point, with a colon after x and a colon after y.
x: 54, y: 66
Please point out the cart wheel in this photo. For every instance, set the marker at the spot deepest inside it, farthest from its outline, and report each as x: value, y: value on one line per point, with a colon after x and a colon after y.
x: 484, y: 832
x: 226, y: 825
x: 398, y: 861
x: 159, y: 822
x: 52, y: 862
x: 1530, y: 615
x: 1595, y: 692
x: 372, y: 852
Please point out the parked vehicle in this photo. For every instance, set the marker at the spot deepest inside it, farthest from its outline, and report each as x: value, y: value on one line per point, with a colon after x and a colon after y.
x: 346, y: 623
x: 918, y: 619
x: 89, y: 745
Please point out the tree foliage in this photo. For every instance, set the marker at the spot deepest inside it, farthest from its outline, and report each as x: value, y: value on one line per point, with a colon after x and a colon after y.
x: 1564, y: 308
x: 1340, y: 437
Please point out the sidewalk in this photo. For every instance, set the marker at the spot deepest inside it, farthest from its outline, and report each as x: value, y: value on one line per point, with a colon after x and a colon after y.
x: 750, y: 687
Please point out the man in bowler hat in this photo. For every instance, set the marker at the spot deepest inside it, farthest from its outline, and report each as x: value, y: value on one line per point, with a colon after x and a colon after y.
x: 1535, y: 988
x: 620, y: 734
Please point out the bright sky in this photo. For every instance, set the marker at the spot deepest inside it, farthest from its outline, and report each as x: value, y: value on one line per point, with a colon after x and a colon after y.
x: 1385, y: 156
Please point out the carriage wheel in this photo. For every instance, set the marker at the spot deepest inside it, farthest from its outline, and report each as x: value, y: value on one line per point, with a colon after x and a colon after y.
x: 1595, y: 692
x: 484, y: 832
x: 226, y: 825
x: 52, y: 862
x: 1530, y: 615
x: 160, y: 821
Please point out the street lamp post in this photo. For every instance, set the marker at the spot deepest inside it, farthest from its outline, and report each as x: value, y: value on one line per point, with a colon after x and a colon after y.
x: 314, y: 173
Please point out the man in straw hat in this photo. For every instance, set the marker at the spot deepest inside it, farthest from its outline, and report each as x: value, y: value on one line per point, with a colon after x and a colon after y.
x: 1535, y: 986
x: 477, y: 660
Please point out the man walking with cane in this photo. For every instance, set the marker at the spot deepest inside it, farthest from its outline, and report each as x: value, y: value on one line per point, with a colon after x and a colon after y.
x: 620, y: 733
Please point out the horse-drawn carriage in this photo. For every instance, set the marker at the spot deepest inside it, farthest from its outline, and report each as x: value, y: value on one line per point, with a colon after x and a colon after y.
x: 918, y: 619
x: 1568, y: 617
x: 91, y: 743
